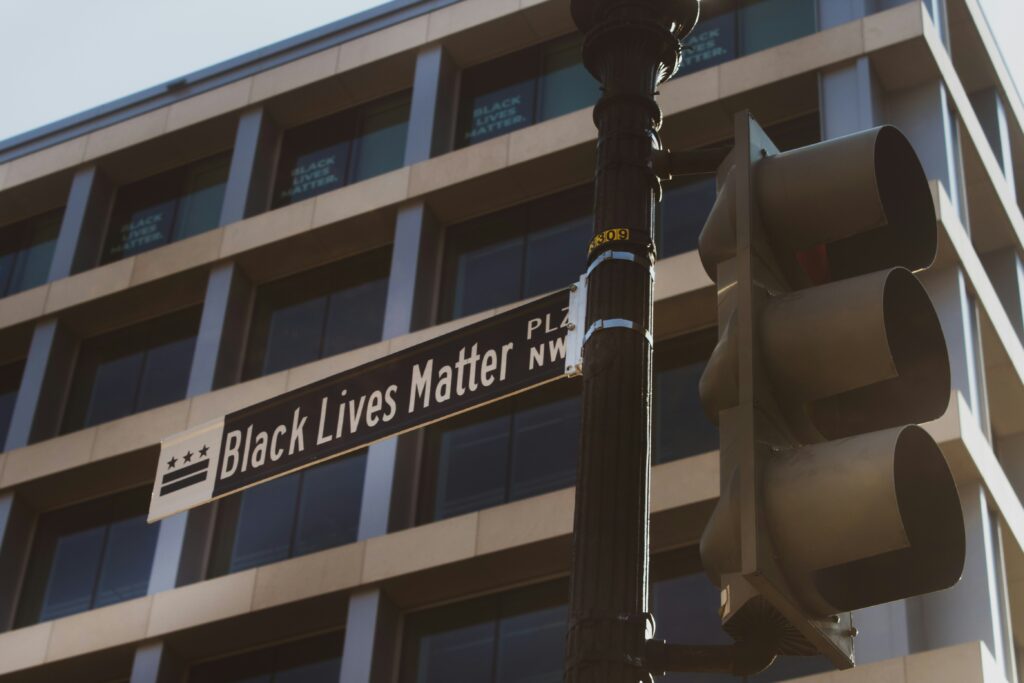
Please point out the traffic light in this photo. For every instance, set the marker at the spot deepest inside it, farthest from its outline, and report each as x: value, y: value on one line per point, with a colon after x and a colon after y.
x: 829, y: 351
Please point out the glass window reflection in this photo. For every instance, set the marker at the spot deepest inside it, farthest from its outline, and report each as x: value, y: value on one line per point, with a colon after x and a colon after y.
x: 167, y: 207
x: 132, y: 369
x: 342, y: 148
x: 518, y: 636
x: 516, y: 253
x: 10, y: 381
x: 523, y: 88
x: 319, y: 313
x: 87, y: 556
x: 311, y: 660
x: 300, y: 513
x: 26, y: 252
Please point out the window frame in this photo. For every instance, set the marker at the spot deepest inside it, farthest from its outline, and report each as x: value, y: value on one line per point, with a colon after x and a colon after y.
x: 20, y: 237
x: 51, y: 525
x: 352, y: 122
x: 274, y: 295
x: 78, y: 401
x: 178, y: 178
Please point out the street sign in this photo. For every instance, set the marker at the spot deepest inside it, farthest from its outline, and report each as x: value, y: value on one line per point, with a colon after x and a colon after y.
x: 465, y: 369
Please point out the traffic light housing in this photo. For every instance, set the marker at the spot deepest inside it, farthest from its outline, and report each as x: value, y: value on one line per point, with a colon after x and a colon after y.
x: 829, y: 351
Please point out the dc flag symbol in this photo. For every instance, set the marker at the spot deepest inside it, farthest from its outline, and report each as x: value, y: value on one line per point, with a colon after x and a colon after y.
x: 186, y: 470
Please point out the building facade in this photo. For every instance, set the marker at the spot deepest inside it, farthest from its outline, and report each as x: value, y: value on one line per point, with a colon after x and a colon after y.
x: 211, y: 243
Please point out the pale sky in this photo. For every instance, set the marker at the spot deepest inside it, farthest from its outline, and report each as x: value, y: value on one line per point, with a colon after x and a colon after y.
x: 61, y: 57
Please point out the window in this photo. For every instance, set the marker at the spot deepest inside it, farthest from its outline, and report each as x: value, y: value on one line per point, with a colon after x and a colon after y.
x: 514, y: 637
x: 734, y: 28
x: 10, y: 381
x: 519, y: 636
x: 130, y: 370
x: 312, y: 660
x: 26, y: 251
x: 527, y: 445
x: 341, y: 149
x: 520, y: 447
x: 88, y: 556
x: 168, y: 207
x: 299, y: 513
x: 685, y: 205
x: 517, y: 253
x: 522, y: 89
x: 680, y: 427
x: 335, y: 308
x: 687, y: 202
x: 686, y: 606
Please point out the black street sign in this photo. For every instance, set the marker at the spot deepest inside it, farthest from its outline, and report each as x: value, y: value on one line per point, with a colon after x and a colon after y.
x: 465, y: 369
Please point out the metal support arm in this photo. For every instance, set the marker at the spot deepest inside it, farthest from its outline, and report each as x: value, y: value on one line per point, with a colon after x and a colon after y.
x: 739, y: 660
x: 688, y: 162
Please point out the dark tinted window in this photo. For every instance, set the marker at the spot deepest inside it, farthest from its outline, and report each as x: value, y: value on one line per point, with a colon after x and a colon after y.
x: 680, y: 427
x: 313, y: 660
x: 520, y: 447
x: 733, y: 28
x: 167, y: 207
x: 10, y: 380
x: 342, y: 148
x: 527, y: 445
x: 517, y: 253
x: 687, y: 201
x: 132, y: 369
x: 297, y: 514
x: 523, y: 88
x: 519, y: 636
x: 26, y: 251
x: 514, y: 637
x: 88, y: 556
x: 319, y: 313
x: 685, y: 605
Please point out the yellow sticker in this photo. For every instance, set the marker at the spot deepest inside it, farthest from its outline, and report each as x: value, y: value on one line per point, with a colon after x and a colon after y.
x: 613, y: 235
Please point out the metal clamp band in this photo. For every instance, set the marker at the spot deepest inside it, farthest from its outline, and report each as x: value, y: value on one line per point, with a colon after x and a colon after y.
x: 620, y: 256
x: 620, y: 323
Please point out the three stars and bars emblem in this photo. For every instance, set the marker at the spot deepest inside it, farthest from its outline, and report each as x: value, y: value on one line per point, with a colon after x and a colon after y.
x: 182, y: 474
x: 186, y: 470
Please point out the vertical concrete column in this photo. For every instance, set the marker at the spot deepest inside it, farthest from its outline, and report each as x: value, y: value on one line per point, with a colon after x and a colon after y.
x: 411, y: 284
x: 44, y: 383
x: 924, y: 116
x: 182, y: 541
x: 835, y: 12
x: 991, y: 112
x: 84, y: 225
x: 155, y: 663
x: 222, y: 328
x: 1010, y: 449
x: 432, y: 111
x: 1006, y: 271
x: 849, y: 99
x: 248, y: 188
x: 371, y: 630
x: 948, y: 291
x: 16, y: 522
x: 971, y: 609
x: 372, y: 625
x: 883, y: 632
x: 170, y: 544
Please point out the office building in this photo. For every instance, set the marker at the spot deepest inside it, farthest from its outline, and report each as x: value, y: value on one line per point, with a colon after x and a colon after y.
x: 267, y: 222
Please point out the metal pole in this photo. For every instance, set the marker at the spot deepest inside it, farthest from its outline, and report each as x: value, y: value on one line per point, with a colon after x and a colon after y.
x: 630, y: 46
